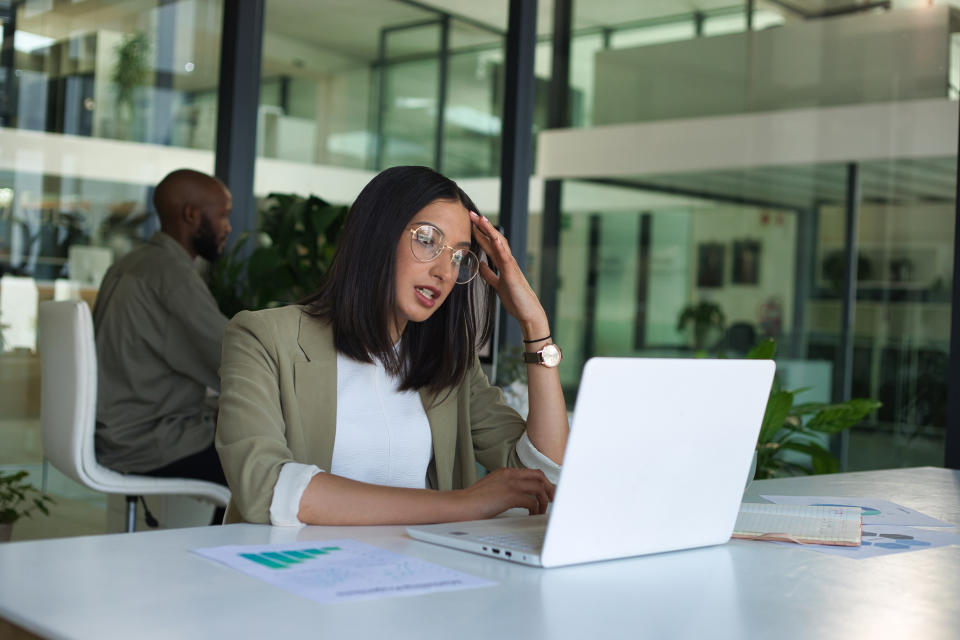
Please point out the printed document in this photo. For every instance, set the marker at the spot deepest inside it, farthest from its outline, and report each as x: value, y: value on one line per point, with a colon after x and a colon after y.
x: 340, y: 570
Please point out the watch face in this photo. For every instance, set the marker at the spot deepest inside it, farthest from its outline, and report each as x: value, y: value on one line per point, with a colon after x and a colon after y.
x: 551, y: 355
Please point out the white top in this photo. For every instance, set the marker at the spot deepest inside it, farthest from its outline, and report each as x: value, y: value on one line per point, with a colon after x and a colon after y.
x: 383, y: 437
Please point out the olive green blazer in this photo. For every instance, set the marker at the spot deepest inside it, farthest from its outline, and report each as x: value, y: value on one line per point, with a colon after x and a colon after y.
x: 278, y: 404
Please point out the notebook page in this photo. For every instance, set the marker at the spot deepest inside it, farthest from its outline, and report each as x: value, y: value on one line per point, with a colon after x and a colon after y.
x: 799, y: 523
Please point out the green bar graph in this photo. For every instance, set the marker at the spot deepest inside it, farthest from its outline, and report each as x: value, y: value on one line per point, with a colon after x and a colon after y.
x: 286, y: 558
x: 264, y: 561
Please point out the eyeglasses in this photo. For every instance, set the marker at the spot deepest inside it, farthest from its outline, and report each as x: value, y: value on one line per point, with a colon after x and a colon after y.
x: 426, y: 243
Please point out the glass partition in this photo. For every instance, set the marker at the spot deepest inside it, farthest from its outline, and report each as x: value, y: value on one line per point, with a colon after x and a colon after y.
x: 744, y: 238
x: 98, y: 101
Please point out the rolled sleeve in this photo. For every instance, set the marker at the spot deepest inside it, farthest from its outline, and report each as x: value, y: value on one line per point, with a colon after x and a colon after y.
x: 532, y: 458
x: 287, y: 493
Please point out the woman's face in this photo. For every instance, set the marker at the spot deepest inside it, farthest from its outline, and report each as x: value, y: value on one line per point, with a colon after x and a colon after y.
x: 423, y: 286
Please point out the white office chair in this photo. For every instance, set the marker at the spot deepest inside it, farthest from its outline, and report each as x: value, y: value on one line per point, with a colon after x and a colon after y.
x: 68, y: 412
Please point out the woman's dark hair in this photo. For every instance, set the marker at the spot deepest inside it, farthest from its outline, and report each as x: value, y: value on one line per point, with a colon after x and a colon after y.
x: 358, y: 295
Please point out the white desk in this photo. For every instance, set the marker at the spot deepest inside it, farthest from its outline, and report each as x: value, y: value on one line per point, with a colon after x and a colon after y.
x: 148, y: 585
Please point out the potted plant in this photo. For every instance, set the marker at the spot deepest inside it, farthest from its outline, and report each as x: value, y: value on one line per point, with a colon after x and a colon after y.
x: 130, y: 72
x: 795, y: 427
x: 705, y: 316
x: 18, y: 498
x: 294, y: 247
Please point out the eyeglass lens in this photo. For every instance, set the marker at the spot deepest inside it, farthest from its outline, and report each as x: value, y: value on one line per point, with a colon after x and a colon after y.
x: 427, y: 243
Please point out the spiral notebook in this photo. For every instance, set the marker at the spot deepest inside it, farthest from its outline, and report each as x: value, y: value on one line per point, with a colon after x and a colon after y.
x: 799, y: 523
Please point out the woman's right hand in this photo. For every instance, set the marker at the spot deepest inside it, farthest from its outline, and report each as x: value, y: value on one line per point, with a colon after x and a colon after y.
x: 507, y: 488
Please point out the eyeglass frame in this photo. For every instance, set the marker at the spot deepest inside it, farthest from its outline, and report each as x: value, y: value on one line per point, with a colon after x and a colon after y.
x: 443, y: 245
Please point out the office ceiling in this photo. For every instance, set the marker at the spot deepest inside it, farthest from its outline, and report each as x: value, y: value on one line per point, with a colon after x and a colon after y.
x: 894, y: 181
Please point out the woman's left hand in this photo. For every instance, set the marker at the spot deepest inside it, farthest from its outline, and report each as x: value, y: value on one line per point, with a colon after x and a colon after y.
x: 515, y: 293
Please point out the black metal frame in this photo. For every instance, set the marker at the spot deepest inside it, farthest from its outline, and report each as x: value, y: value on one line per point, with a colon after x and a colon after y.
x: 442, y: 70
x: 952, y: 444
x: 517, y: 142
x: 558, y: 116
x: 844, y: 377
x: 8, y: 101
x: 237, y: 103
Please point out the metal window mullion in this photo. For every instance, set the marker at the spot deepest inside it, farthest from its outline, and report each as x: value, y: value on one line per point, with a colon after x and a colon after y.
x: 443, y: 70
x: 238, y: 101
x: 951, y: 458
x: 848, y: 311
x: 558, y: 116
x: 517, y: 140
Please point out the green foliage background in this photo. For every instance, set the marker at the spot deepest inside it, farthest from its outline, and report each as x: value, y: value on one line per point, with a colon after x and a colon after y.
x: 794, y: 427
x: 19, y: 498
x: 284, y: 260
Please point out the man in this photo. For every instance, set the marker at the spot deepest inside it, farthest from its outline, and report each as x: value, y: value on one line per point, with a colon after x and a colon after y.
x: 158, y: 333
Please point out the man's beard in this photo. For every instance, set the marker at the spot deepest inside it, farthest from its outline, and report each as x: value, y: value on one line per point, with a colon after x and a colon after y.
x: 205, y: 242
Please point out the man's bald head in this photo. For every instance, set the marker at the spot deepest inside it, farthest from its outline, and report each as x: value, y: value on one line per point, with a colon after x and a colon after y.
x: 193, y: 208
x: 186, y: 187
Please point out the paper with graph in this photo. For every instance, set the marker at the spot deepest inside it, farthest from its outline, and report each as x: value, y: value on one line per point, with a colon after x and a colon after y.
x: 340, y: 570
x: 799, y: 523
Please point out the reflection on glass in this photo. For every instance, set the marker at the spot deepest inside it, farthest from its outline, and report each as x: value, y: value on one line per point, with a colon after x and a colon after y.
x: 136, y: 71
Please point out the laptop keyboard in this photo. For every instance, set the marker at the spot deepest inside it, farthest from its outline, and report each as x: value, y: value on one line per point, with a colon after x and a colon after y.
x: 530, y: 541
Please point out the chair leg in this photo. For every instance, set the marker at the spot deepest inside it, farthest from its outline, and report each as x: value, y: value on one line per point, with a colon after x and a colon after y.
x: 131, y: 514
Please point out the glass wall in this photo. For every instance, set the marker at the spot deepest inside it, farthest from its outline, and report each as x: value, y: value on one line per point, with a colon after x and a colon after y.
x: 391, y: 84
x: 136, y: 72
x: 743, y: 238
x: 98, y: 101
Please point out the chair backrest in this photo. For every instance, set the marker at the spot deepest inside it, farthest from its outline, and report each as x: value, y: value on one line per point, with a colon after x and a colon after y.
x: 68, y: 412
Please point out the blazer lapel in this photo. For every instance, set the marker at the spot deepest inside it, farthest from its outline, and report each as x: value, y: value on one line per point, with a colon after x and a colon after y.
x: 443, y: 427
x: 315, y: 384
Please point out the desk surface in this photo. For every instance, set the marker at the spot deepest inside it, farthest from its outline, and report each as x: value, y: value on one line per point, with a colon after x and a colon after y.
x: 148, y: 585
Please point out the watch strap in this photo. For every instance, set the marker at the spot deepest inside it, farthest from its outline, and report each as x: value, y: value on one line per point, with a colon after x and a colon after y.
x: 532, y: 357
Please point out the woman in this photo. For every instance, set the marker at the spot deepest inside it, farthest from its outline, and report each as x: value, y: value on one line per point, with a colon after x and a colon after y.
x: 367, y: 404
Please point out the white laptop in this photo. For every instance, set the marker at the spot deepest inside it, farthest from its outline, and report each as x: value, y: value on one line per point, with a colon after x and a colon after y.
x: 657, y: 460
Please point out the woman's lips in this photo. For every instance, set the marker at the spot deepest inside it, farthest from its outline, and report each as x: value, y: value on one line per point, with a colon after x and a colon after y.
x: 427, y: 295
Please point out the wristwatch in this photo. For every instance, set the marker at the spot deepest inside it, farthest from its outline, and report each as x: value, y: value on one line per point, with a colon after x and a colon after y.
x: 549, y: 356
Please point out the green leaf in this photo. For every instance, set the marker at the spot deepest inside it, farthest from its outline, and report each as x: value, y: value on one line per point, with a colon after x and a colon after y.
x: 765, y: 350
x: 806, y: 408
x: 837, y: 417
x: 778, y: 407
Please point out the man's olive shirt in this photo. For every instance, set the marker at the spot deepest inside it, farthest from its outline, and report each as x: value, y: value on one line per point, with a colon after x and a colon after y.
x: 158, y: 334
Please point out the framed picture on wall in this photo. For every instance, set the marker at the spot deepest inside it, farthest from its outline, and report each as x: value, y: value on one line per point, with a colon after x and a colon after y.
x: 710, y: 264
x: 746, y: 262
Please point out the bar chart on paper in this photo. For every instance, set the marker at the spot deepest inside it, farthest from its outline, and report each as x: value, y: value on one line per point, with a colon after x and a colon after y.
x: 340, y: 570
x: 287, y: 557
